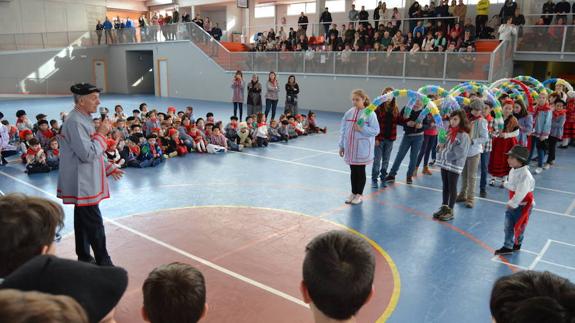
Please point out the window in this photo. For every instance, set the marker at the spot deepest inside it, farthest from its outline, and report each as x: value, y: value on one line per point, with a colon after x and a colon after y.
x: 369, y: 4
x: 268, y: 11
x: 395, y: 4
x: 335, y: 5
x: 295, y: 9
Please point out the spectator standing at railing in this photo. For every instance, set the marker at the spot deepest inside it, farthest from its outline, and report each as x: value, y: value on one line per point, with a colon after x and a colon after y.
x: 414, y: 12
x: 108, y: 30
x: 508, y: 30
x: 383, y: 13
x: 303, y: 21
x: 332, y: 31
x: 482, y: 10
x: 363, y: 16
x: 353, y: 15
x: 217, y: 32
x: 419, y: 28
x: 130, y: 31
x: 186, y: 17
x: 326, y: 20
x: 396, y: 18
x: 175, y: 17
x: 143, y: 24
x: 99, y: 29
x: 376, y: 15
x: 562, y: 9
x: 548, y: 7
x: 460, y: 11
x: 198, y: 21
x: 518, y: 18
x: 508, y: 10
x: 119, y: 28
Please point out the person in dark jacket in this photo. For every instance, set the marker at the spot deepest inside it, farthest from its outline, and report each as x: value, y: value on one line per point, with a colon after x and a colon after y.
x: 303, y: 21
x: 292, y: 91
x: 99, y: 29
x: 216, y: 32
x: 508, y: 10
x: 387, y: 116
x: 548, y: 7
x: 326, y: 20
x: 363, y: 17
x: 562, y: 9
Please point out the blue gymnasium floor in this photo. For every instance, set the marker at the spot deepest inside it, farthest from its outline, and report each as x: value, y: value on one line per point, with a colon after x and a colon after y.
x: 446, y: 270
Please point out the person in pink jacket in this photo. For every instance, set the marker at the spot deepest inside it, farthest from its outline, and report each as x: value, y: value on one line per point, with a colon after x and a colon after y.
x: 357, y: 143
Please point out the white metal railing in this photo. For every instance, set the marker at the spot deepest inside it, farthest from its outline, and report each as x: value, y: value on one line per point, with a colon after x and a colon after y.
x: 445, y: 66
x: 554, y: 39
x: 551, y: 18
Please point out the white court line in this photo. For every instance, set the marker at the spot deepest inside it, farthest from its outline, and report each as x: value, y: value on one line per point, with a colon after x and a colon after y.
x: 570, y: 208
x: 556, y: 264
x: 182, y: 252
x: 563, y: 243
x: 540, y: 255
x: 403, y: 164
x: 399, y: 182
x: 306, y: 157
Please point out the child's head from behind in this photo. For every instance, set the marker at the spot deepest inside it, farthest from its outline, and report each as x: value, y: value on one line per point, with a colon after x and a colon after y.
x: 174, y: 293
x: 530, y: 296
x: 338, y: 272
x: 261, y: 117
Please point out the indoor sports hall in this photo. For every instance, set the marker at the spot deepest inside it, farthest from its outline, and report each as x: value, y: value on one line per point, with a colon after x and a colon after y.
x: 185, y: 174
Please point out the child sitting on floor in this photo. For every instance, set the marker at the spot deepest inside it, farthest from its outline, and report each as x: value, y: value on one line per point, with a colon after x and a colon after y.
x: 231, y: 129
x: 292, y: 129
x: 262, y: 131
x: 218, y: 142
x: 54, y: 126
x: 298, y: 124
x: 36, y: 158
x: 312, y: 121
x: 150, y: 153
x: 113, y: 154
x: 244, y: 135
x: 521, y: 201
x: 53, y: 154
x: 22, y: 121
x: 284, y: 130
x: 198, y: 137
x: 175, y: 146
x: 274, y: 132
x: 44, y: 134
x: 210, y: 118
x: 25, y: 136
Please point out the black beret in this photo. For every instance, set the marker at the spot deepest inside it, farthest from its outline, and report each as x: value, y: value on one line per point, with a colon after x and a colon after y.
x: 20, y: 113
x: 40, y: 116
x: 97, y: 289
x: 135, y: 111
x: 152, y: 136
x: 41, y: 122
x: 84, y: 89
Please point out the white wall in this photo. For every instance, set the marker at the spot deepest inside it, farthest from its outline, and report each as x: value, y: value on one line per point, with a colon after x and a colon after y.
x: 34, y: 16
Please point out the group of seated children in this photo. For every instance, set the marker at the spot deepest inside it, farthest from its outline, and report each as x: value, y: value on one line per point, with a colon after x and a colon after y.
x: 36, y: 143
x: 148, y: 137
x: 337, y: 280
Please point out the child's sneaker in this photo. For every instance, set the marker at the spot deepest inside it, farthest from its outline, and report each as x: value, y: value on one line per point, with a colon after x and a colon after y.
x: 492, y: 182
x: 460, y: 198
x: 426, y: 171
x: 356, y: 200
x: 374, y: 184
x: 516, y: 247
x: 448, y: 216
x: 349, y: 199
x: 443, y: 209
x: 546, y: 166
x: 538, y: 170
x: 389, y: 179
x: 503, y: 251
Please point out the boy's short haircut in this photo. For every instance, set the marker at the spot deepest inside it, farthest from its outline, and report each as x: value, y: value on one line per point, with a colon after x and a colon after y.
x: 174, y: 293
x: 136, y: 111
x: 530, y: 296
x: 142, y: 106
x: 338, y: 272
x: 234, y: 118
x: 135, y: 126
x: 27, y: 224
x: 129, y: 119
x: 209, y: 114
x: 52, y: 122
x: 285, y: 122
x: 43, y: 121
x: 152, y: 136
x: 33, y: 142
x: 209, y: 124
x: 21, y: 307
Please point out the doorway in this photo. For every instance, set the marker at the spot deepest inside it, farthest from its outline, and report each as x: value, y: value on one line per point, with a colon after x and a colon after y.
x: 100, y: 74
x: 140, y: 71
x: 163, y: 85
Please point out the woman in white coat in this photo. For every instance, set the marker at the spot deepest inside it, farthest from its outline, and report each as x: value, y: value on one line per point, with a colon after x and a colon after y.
x: 356, y: 143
